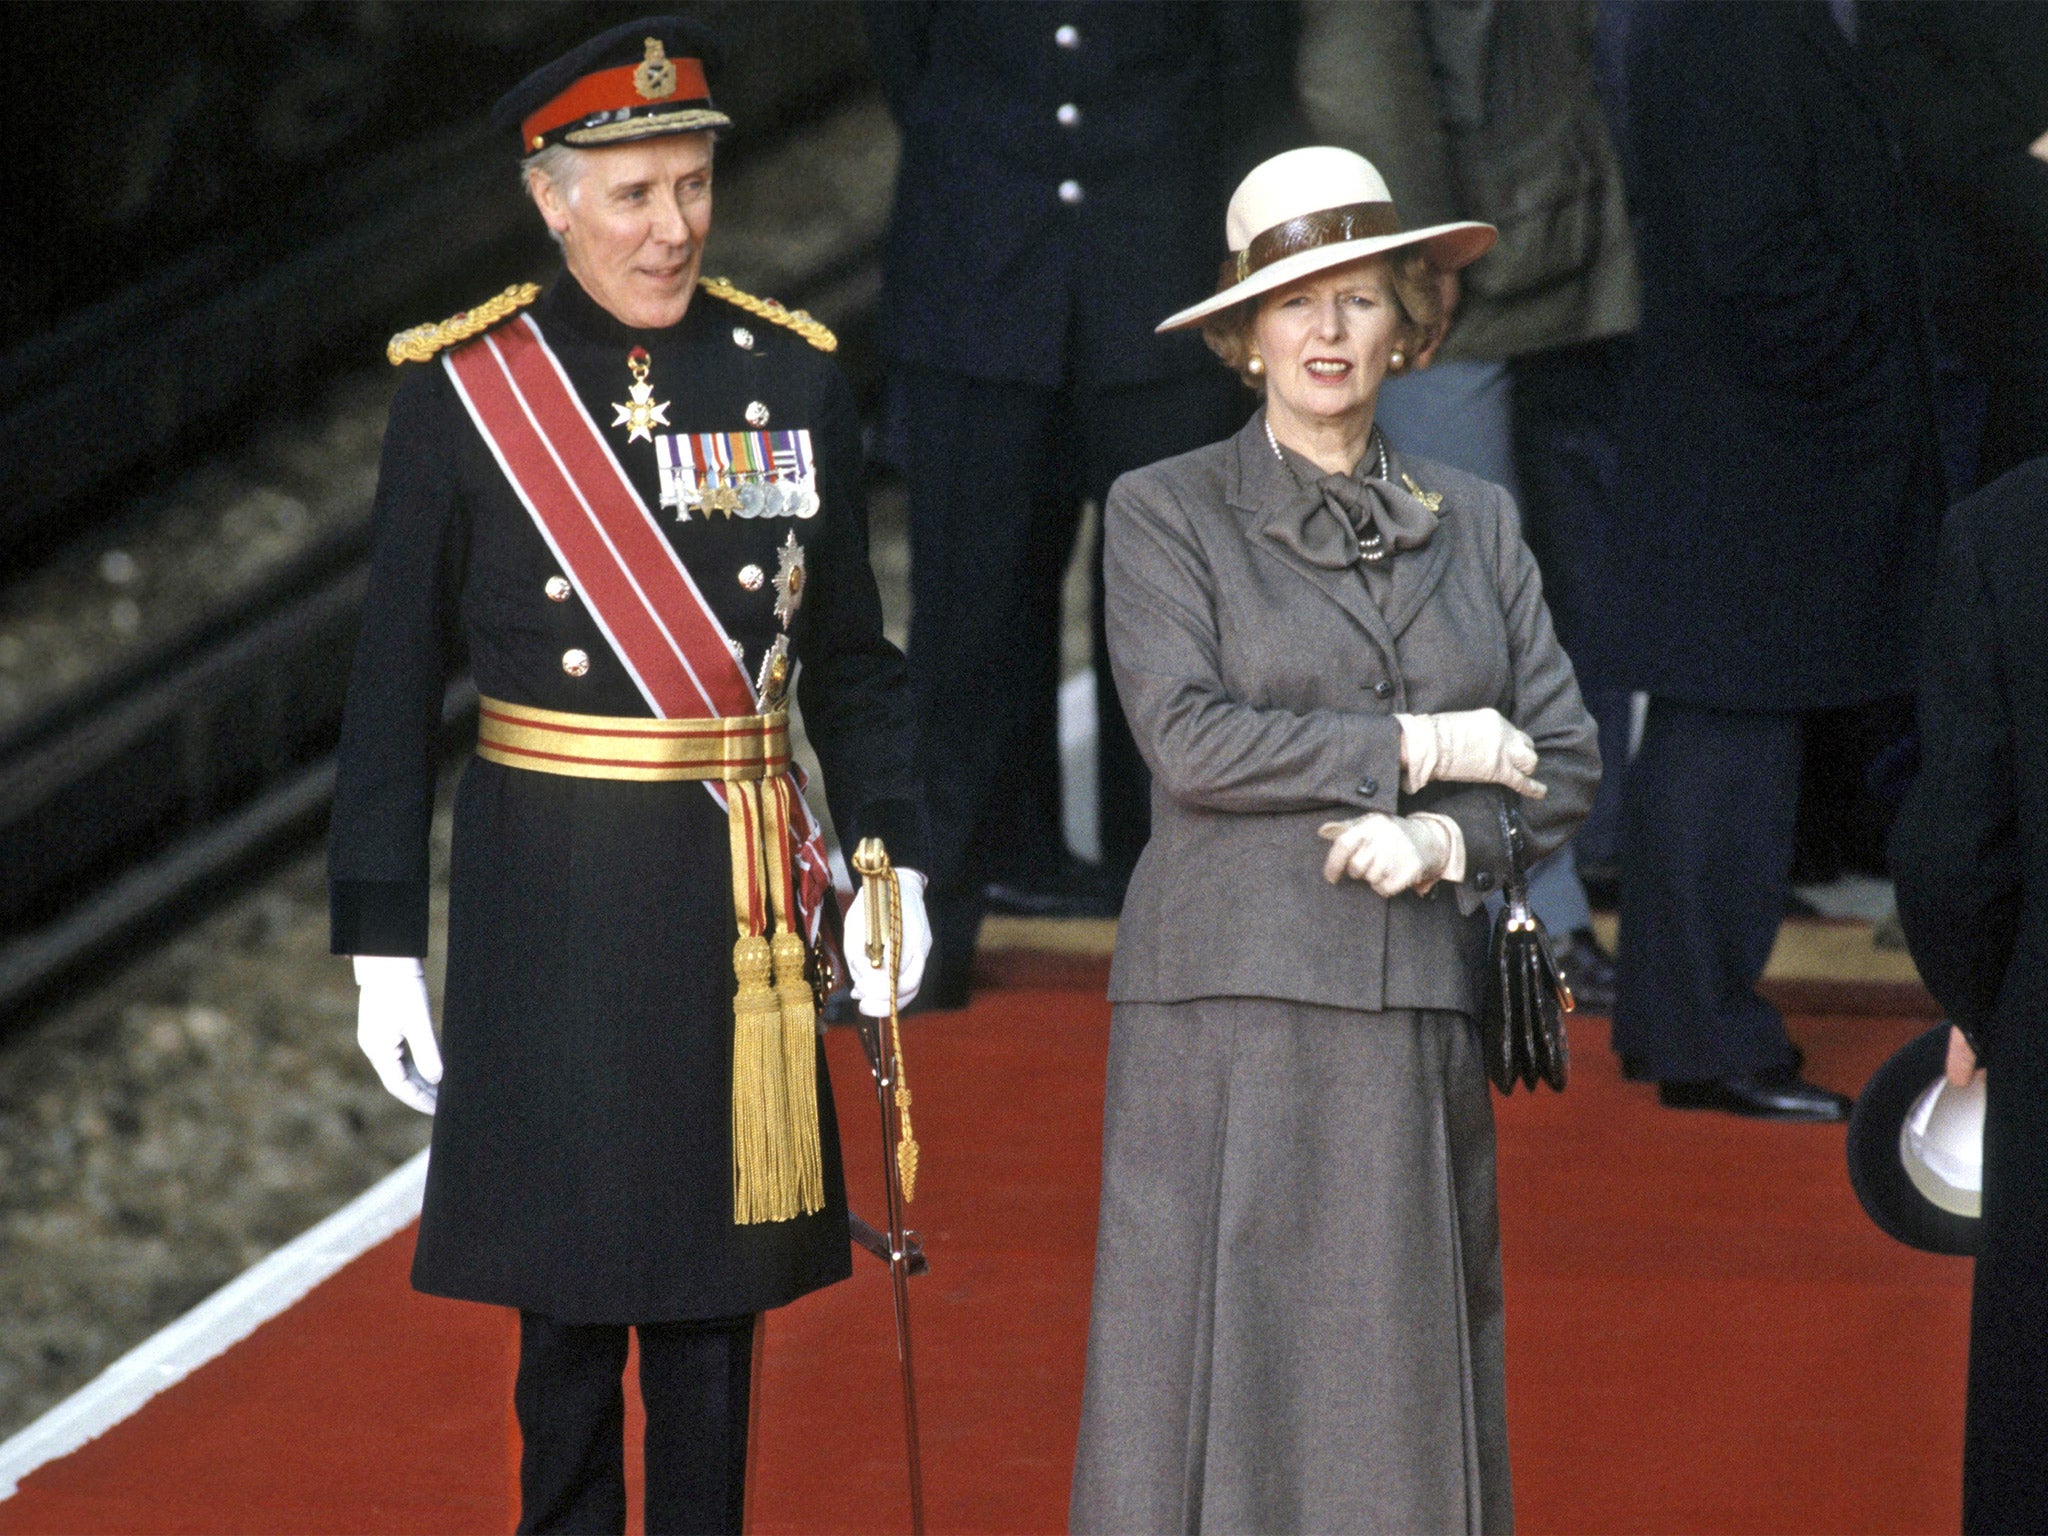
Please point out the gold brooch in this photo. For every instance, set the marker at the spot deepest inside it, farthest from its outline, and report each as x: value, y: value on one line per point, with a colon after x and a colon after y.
x: 1430, y: 499
x: 656, y: 76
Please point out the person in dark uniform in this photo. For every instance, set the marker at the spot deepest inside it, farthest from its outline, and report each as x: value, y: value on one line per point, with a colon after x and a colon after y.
x: 1972, y: 868
x: 1051, y: 153
x: 1781, y: 477
x: 637, y: 495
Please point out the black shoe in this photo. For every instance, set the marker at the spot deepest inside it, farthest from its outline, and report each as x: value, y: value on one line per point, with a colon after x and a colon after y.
x: 1781, y: 1095
x: 1588, y: 971
x: 1636, y: 1070
x: 1076, y: 889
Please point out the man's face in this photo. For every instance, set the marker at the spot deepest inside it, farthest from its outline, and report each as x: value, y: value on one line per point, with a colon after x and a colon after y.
x: 633, y: 225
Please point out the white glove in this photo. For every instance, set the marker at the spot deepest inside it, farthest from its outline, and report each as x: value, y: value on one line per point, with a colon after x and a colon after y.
x: 1393, y: 854
x: 1467, y: 746
x: 395, y: 1028
x: 871, y: 982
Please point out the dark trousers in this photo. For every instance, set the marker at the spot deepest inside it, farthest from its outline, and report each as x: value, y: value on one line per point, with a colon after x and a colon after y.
x: 1709, y: 809
x: 695, y: 1378
x: 996, y: 472
x: 1567, y: 411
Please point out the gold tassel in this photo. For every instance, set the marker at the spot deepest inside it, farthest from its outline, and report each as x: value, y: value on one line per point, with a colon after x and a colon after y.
x: 763, y: 1176
x: 760, y: 1104
x: 800, y: 1062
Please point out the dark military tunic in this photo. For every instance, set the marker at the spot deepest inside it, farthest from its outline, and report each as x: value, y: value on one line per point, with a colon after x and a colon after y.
x: 582, y: 1161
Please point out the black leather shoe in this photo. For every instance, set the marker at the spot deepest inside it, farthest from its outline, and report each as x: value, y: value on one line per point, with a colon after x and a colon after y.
x: 1588, y: 970
x: 1780, y: 1095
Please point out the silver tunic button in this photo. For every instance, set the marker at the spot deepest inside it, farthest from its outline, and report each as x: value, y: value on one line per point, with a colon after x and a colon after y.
x: 1069, y: 115
x: 751, y: 577
x: 742, y: 337
x: 1070, y: 192
x: 575, y: 663
x: 558, y: 589
x: 757, y: 414
x: 1068, y: 36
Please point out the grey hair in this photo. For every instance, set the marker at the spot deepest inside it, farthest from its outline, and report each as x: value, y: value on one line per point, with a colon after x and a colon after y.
x: 560, y: 165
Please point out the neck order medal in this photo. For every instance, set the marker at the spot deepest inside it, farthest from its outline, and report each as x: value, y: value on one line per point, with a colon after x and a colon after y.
x: 645, y: 413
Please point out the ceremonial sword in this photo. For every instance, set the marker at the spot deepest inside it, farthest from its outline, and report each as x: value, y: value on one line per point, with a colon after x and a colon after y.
x: 899, y: 1249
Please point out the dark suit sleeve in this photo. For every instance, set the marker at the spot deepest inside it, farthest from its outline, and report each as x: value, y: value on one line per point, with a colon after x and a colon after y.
x: 854, y: 688
x: 1955, y: 849
x: 1964, y: 133
x: 391, y: 728
x: 1711, y: 89
x: 899, y: 46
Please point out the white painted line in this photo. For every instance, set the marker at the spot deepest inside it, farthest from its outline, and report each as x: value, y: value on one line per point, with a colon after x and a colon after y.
x: 218, y: 1323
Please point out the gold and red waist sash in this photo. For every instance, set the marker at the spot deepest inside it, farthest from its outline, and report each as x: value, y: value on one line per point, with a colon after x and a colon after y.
x: 778, y: 1169
x: 732, y: 749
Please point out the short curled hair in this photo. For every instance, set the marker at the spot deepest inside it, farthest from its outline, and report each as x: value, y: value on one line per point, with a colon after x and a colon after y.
x: 1410, y: 277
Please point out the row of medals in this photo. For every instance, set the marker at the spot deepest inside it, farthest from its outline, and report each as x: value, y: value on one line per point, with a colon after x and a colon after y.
x: 748, y: 493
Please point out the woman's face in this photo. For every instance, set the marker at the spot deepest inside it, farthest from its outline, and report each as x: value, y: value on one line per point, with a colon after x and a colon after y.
x: 1326, y: 341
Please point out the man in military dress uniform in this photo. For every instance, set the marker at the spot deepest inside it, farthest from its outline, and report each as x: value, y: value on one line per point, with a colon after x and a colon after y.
x: 638, y: 495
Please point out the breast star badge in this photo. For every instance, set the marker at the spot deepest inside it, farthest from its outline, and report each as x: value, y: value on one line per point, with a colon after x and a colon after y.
x: 789, y: 580
x: 645, y: 413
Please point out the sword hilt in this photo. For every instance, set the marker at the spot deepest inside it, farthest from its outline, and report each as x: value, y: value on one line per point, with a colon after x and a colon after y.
x: 871, y: 863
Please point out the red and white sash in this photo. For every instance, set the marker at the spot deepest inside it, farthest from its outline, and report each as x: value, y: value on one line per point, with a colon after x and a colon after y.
x: 638, y: 590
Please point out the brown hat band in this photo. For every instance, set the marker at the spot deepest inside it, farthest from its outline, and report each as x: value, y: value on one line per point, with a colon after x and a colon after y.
x: 1326, y: 226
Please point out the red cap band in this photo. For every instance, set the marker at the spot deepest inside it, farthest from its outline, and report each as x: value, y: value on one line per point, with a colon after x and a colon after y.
x: 607, y: 91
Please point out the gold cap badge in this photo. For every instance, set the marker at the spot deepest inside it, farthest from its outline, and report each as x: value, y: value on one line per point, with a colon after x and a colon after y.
x: 656, y: 76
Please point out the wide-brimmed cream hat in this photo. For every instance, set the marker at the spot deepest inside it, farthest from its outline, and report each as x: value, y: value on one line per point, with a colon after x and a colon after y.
x: 1313, y: 208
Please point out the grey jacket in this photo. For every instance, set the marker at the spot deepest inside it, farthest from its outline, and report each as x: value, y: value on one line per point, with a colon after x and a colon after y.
x: 1478, y: 109
x: 1261, y: 687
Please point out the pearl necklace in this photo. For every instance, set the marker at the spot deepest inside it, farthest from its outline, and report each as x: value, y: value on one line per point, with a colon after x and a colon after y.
x: 1372, y: 544
x: 1379, y: 442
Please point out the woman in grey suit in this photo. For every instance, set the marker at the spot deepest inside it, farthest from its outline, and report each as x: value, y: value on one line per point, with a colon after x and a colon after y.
x: 1331, y: 655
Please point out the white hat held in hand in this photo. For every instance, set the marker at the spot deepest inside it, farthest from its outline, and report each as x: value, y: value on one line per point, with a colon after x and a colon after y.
x: 1313, y: 208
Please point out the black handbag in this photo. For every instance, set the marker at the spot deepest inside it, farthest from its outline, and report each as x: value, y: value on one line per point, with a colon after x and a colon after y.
x: 1521, y: 1025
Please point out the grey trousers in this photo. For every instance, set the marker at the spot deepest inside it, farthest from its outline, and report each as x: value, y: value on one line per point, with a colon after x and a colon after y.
x: 1297, y: 1318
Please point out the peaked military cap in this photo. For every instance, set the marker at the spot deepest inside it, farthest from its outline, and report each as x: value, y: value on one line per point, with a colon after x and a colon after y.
x: 638, y: 81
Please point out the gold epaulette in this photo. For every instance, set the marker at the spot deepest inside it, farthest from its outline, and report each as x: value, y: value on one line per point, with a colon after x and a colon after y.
x: 420, y: 343
x: 800, y: 321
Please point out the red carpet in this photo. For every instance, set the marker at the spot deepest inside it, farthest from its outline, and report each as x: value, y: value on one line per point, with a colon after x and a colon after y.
x: 1705, y: 1334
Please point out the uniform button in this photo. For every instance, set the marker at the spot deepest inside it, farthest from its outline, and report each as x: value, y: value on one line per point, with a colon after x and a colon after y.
x: 1484, y: 880
x: 1068, y: 36
x: 1071, y: 193
x: 1069, y: 115
x: 575, y: 663
x: 757, y: 414
x: 751, y: 577
x: 1369, y: 787
x: 742, y: 337
x: 1382, y: 688
x: 558, y: 589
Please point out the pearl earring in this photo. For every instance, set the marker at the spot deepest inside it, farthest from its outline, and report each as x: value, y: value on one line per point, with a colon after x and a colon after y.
x: 1256, y: 367
x: 1398, y: 361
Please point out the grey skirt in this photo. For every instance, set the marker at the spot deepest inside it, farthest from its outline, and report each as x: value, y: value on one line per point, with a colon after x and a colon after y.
x: 1297, y: 1319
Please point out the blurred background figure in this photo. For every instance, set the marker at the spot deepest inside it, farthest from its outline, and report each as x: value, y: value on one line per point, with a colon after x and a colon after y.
x: 1969, y: 80
x: 1783, y: 488
x: 1971, y: 855
x: 1064, y: 170
x: 1482, y: 111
